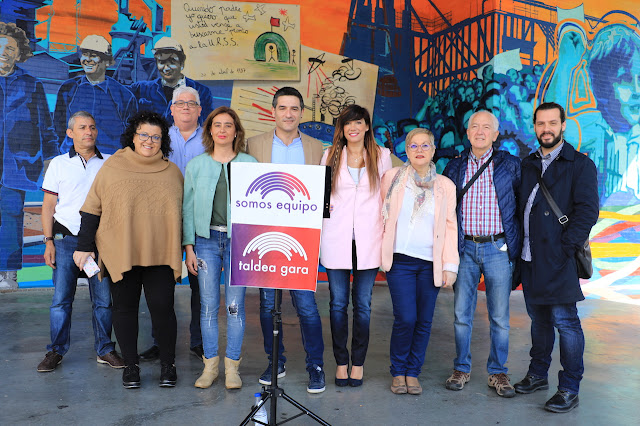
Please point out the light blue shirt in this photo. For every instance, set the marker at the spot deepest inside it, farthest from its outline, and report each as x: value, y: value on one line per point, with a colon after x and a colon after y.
x: 287, y: 154
x: 184, y: 151
x: 546, y: 161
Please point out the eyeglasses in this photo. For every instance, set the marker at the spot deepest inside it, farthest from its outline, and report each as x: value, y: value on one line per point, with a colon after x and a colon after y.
x: 145, y: 137
x: 182, y: 104
x: 424, y: 146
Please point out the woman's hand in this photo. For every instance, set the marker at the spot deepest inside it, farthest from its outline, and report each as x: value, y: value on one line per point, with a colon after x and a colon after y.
x: 191, y: 260
x: 448, y: 278
x: 80, y: 257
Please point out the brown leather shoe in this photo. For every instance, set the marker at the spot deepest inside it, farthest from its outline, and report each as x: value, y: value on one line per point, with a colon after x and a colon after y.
x: 112, y: 359
x: 51, y: 360
x: 413, y: 386
x: 399, y: 385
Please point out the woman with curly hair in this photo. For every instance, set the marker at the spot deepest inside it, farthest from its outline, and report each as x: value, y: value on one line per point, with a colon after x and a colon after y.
x: 352, y: 237
x: 133, y: 216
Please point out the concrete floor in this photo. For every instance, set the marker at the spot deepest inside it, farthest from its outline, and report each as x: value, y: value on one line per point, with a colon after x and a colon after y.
x: 81, y: 391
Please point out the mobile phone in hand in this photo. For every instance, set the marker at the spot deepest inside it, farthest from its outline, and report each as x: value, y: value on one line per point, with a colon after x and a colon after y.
x: 90, y: 267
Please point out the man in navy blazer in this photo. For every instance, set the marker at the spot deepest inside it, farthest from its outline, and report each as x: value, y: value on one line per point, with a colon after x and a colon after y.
x: 548, y: 266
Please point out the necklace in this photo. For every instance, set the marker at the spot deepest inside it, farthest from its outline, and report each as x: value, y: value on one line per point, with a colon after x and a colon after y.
x: 353, y: 158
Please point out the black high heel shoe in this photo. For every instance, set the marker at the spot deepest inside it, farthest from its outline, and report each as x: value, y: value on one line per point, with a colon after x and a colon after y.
x: 354, y: 383
x: 342, y: 382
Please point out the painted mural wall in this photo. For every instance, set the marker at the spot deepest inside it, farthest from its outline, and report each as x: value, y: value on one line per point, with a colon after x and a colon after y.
x: 437, y: 62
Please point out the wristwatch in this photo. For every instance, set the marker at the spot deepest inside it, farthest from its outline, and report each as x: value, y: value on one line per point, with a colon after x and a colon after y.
x: 45, y: 239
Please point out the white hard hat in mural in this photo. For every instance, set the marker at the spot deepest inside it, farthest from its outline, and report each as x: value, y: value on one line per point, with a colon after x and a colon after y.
x: 167, y: 43
x: 96, y: 43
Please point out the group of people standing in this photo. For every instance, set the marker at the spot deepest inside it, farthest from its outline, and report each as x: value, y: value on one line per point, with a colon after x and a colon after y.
x: 167, y: 190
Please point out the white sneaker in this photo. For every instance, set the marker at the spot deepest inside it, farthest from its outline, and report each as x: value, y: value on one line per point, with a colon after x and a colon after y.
x: 8, y: 280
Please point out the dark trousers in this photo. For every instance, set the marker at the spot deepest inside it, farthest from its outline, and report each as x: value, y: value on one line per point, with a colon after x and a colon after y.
x: 159, y: 285
x: 194, y: 325
x: 544, y: 320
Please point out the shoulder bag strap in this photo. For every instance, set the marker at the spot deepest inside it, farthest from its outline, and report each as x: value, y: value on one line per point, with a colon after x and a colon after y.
x: 474, y: 177
x: 563, y: 219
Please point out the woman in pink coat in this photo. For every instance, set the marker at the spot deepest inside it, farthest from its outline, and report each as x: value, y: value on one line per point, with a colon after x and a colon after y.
x: 419, y: 251
x: 352, y: 237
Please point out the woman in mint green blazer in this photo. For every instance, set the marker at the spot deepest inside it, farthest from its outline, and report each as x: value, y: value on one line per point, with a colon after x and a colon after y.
x: 205, y: 221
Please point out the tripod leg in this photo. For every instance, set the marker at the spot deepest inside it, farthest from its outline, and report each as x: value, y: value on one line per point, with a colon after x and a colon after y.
x: 275, y: 354
x: 304, y: 409
x: 255, y: 410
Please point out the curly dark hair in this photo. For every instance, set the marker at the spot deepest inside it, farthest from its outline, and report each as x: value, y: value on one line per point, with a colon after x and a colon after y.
x: 147, y: 117
x: 207, y: 139
x: 18, y: 34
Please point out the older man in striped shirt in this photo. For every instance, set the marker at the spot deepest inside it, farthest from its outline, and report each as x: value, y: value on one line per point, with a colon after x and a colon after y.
x: 489, y: 242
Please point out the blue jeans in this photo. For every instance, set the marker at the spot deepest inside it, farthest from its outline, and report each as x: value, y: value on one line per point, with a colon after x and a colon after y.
x: 304, y: 302
x: 339, y: 286
x: 65, y: 278
x: 11, y: 228
x: 564, y: 317
x: 483, y: 258
x: 413, y: 295
x: 213, y: 254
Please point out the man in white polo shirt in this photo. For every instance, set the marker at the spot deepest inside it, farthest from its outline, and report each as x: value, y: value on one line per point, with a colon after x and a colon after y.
x: 66, y: 184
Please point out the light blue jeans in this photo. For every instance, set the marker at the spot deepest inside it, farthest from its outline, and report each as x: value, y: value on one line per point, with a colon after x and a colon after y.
x: 488, y: 259
x: 213, y: 253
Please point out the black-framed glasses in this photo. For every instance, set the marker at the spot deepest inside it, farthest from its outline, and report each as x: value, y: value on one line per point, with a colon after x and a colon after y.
x: 145, y: 137
x: 182, y: 104
x: 424, y: 146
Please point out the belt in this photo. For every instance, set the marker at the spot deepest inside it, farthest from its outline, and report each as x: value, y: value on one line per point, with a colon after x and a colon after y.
x: 484, y: 238
x: 218, y: 228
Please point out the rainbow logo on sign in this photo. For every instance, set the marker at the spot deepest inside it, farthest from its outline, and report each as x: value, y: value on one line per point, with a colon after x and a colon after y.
x: 275, y: 241
x: 278, y: 181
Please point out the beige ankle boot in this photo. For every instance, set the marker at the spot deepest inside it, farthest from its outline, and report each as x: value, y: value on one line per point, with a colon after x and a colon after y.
x: 232, y: 378
x: 210, y: 372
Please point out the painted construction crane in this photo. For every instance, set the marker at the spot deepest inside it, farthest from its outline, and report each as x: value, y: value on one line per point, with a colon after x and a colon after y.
x: 418, y: 57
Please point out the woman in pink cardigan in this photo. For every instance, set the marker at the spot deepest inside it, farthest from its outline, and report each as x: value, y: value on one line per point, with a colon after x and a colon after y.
x: 352, y: 237
x: 419, y: 251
